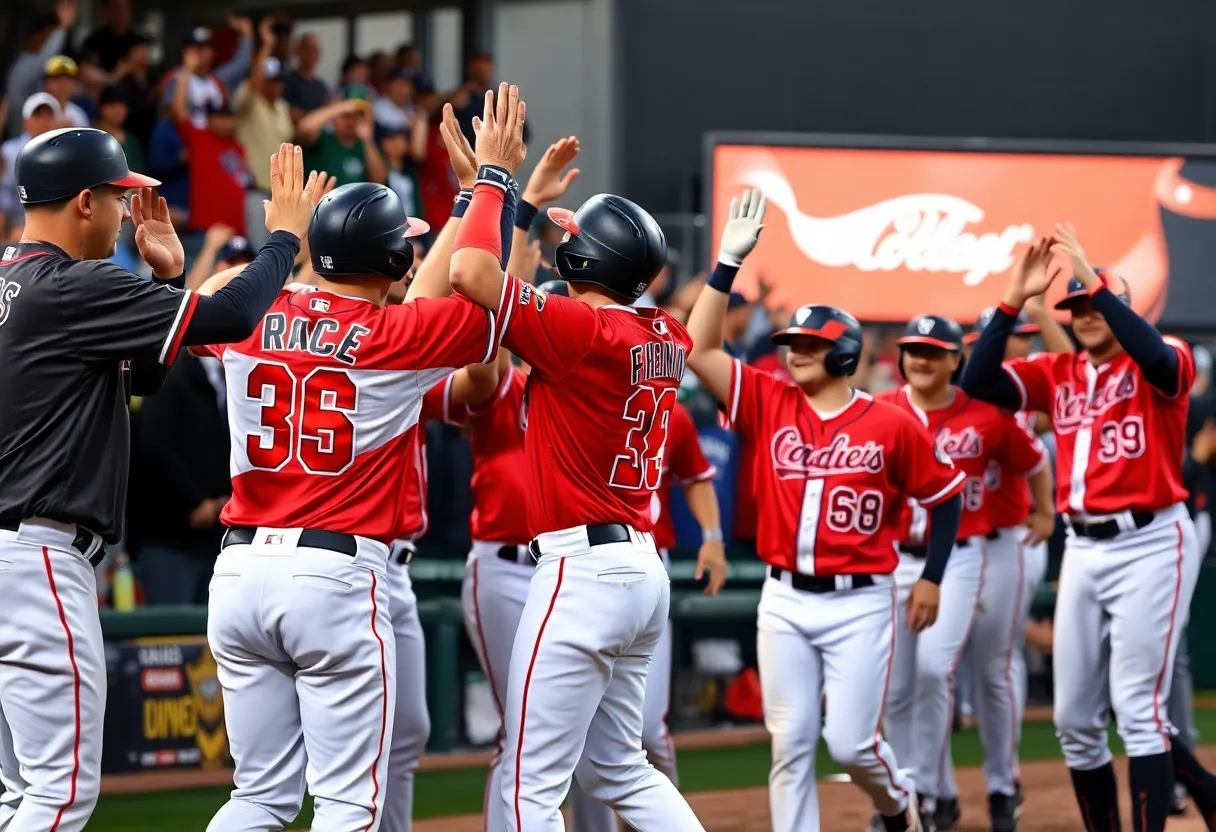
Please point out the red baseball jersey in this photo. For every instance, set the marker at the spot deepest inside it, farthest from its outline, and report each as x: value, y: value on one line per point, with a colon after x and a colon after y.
x: 324, y: 406
x: 600, y: 394
x: 1009, y: 496
x: 416, y: 520
x: 831, y: 487
x: 744, y: 527
x: 973, y: 434
x: 683, y: 462
x: 1119, y: 440
x: 496, y: 438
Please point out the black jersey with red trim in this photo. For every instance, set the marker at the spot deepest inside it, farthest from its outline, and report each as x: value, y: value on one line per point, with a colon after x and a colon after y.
x: 77, y: 339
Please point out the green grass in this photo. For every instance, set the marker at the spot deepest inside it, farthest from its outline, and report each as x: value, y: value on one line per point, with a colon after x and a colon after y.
x: 460, y: 791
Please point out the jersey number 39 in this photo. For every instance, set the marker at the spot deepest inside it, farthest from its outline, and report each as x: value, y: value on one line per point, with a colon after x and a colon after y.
x: 308, y: 418
x: 641, y: 465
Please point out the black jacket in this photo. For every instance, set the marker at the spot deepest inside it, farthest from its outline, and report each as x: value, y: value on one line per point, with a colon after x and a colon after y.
x: 181, y: 459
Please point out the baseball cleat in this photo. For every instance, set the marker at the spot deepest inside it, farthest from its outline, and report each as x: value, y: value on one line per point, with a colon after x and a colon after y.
x: 1178, y: 803
x: 1004, y: 811
x: 947, y: 813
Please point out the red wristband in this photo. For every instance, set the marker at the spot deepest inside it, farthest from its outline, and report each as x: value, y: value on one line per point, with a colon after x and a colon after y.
x: 1008, y: 310
x: 480, y: 227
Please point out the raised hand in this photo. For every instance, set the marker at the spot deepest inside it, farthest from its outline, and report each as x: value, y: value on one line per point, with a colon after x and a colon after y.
x: 155, y: 236
x: 742, y: 230
x: 1033, y: 273
x: 1067, y: 244
x: 217, y: 237
x: 290, y: 205
x: 266, y: 33
x: 243, y: 26
x: 500, y: 130
x: 547, y: 183
x: 464, y: 161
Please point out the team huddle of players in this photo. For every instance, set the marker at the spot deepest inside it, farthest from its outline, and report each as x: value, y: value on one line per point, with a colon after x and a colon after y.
x: 899, y: 530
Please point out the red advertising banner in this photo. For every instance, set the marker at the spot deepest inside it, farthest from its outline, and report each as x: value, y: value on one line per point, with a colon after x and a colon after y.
x: 889, y: 234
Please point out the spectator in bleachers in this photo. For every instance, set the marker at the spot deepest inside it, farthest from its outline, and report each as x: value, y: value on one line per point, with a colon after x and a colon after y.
x: 338, y: 140
x: 168, y: 161
x: 46, y: 38
x: 113, y: 40
x: 219, y: 175
x: 134, y: 75
x: 59, y: 79
x: 436, y: 179
x: 282, y: 26
x: 112, y: 114
x: 469, y: 100
x: 394, y: 108
x: 263, y: 123
x: 734, y: 328
x: 221, y: 249
x: 403, y: 152
x: 302, y: 89
x: 409, y: 60
x: 354, y: 74
x: 379, y: 66
x: 207, y: 88
x: 39, y: 114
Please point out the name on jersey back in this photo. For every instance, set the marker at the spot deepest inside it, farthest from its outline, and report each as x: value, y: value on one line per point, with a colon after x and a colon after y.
x: 656, y: 359
x: 322, y: 337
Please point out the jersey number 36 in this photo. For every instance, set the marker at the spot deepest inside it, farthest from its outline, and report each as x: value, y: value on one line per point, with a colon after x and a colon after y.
x: 308, y: 418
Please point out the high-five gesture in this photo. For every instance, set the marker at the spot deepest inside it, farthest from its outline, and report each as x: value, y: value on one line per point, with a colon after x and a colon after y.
x: 290, y: 205
x: 464, y: 161
x: 1068, y: 245
x: 547, y: 183
x: 500, y: 130
x: 1033, y: 274
x: 155, y: 236
x: 742, y: 230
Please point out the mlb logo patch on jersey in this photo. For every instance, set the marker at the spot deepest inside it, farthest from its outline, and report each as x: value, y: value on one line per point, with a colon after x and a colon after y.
x: 319, y: 305
x: 9, y: 253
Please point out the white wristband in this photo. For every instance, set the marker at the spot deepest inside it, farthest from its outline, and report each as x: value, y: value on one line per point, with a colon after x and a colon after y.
x: 711, y: 535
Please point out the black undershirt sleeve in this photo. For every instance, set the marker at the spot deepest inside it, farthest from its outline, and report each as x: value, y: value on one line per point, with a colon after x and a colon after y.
x: 944, y: 519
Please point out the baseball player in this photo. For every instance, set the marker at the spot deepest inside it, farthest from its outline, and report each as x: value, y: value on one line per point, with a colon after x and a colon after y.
x: 1118, y: 410
x: 324, y: 403
x: 79, y: 337
x: 602, y: 384
x: 840, y: 467
x: 978, y: 438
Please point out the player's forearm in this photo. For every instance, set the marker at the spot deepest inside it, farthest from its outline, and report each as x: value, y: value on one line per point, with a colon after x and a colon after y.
x: 233, y: 312
x: 1041, y: 495
x: 983, y: 376
x: 1144, y: 344
x: 181, y: 92
x: 702, y: 502
x: 431, y: 278
x: 944, y: 520
x: 708, y: 360
x: 476, y: 270
x: 518, y: 262
x: 1054, y: 338
x: 475, y: 384
x: 204, y: 266
x: 218, y: 280
x: 311, y: 124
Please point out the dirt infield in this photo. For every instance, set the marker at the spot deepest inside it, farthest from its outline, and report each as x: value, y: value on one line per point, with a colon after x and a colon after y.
x: 1049, y: 806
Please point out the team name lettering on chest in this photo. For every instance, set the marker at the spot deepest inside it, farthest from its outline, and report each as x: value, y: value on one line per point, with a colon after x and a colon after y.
x: 966, y: 444
x: 323, y: 337
x: 1071, y: 410
x: 795, y: 459
x: 657, y: 359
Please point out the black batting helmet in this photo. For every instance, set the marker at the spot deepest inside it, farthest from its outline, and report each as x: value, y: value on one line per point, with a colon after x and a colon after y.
x: 830, y: 324
x: 362, y: 229
x: 611, y: 243
x: 1023, y: 325
x: 1110, y: 278
x: 61, y: 163
x: 932, y: 331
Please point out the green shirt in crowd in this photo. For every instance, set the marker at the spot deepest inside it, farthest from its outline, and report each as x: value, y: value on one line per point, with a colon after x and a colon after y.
x: 345, y: 162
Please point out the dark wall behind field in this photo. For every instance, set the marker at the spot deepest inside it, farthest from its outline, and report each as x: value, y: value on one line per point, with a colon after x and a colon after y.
x: 1072, y: 69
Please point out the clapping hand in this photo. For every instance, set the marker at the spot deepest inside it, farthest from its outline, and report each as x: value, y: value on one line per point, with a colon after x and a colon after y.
x: 291, y: 196
x: 1068, y: 245
x: 464, y: 161
x: 500, y: 130
x: 155, y: 236
x: 742, y: 230
x: 547, y: 183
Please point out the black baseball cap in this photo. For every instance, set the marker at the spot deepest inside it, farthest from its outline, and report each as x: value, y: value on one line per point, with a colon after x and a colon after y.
x: 199, y: 36
x: 61, y: 163
x: 236, y: 250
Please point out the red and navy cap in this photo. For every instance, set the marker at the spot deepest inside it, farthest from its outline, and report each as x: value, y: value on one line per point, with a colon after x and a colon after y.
x: 1110, y: 279
x: 933, y: 331
x: 1023, y: 325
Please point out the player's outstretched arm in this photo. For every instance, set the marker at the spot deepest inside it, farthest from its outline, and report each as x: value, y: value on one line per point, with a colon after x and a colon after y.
x: 474, y: 384
x: 982, y: 375
x: 1158, y: 360
x: 476, y: 271
x: 740, y: 235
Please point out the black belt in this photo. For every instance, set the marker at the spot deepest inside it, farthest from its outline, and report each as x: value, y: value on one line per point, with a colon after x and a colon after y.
x: 343, y: 544
x: 511, y: 553
x: 1108, y: 529
x: 597, y: 535
x: 923, y: 551
x: 82, y: 542
x: 811, y: 583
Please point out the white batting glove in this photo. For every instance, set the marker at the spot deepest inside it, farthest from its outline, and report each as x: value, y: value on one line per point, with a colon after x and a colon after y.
x: 742, y: 230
